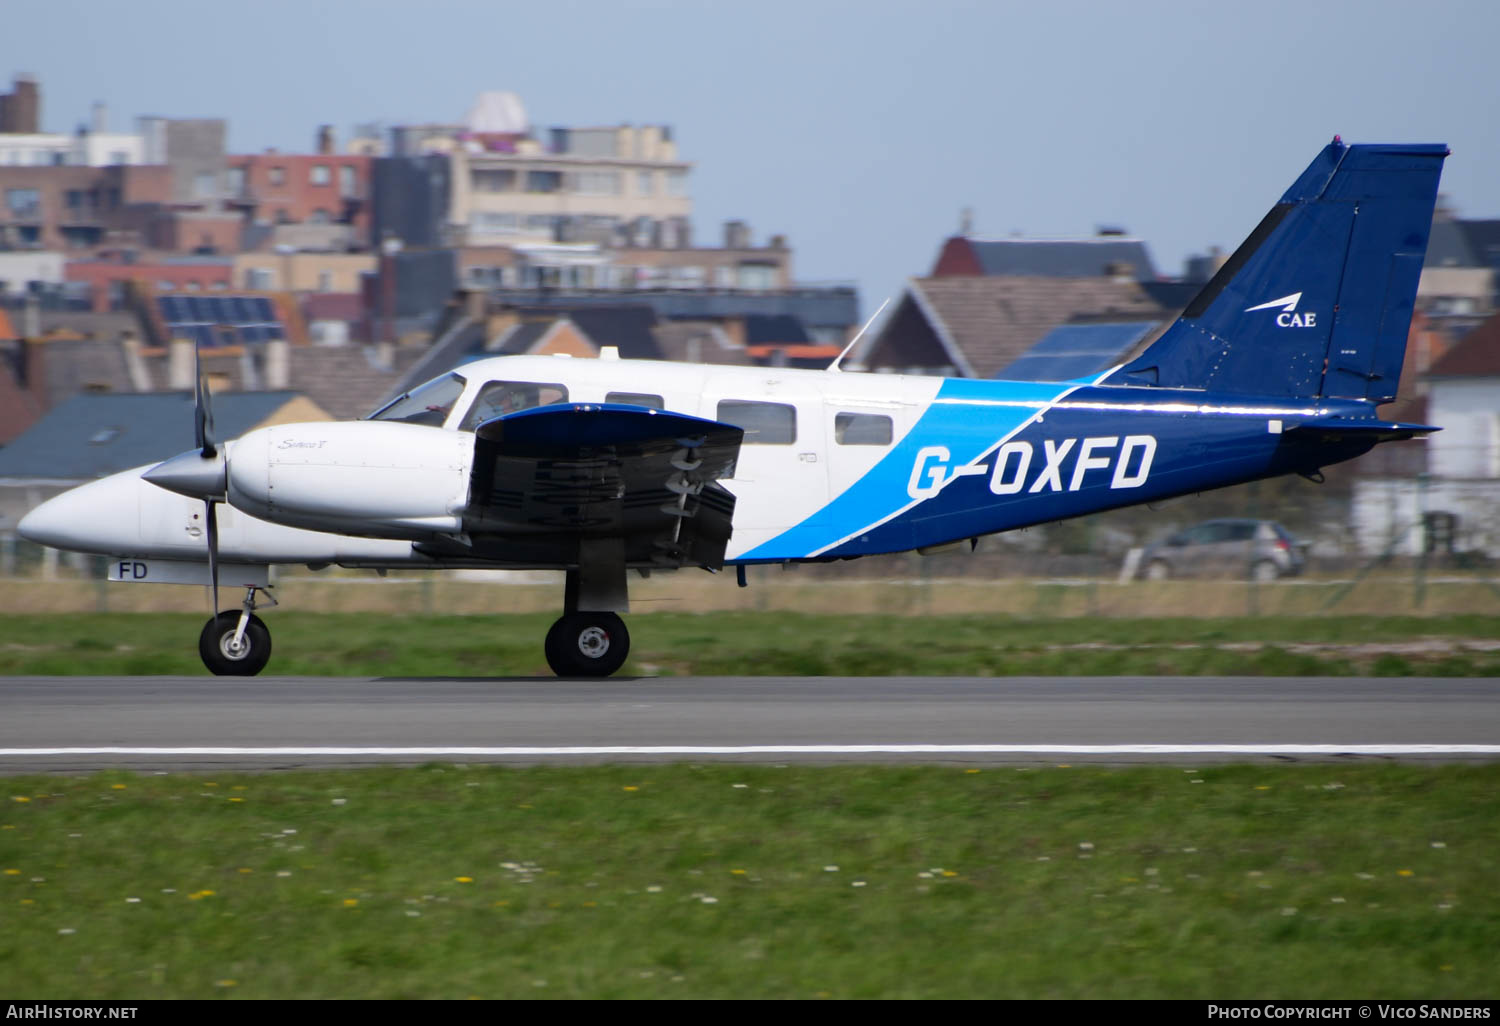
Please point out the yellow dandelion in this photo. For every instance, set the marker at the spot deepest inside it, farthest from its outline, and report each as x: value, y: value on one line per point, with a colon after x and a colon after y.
x: 631, y: 787
x: 1065, y: 765
x: 117, y: 787
x: 949, y: 872
x: 244, y: 870
x: 239, y: 787
x: 19, y: 798
x: 1403, y: 872
x: 236, y: 799
x: 590, y: 904
x: 463, y: 879
x: 1262, y: 787
x: 27, y: 901
x: 210, y: 783
x: 738, y: 872
x: 350, y: 902
x: 971, y: 771
x: 12, y: 872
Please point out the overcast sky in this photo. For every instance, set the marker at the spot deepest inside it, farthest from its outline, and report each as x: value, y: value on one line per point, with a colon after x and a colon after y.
x: 858, y: 129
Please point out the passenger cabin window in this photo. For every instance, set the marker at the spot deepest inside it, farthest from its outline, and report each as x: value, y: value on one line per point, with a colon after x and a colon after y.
x: 636, y: 399
x: 763, y: 423
x: 426, y: 404
x: 501, y: 397
x: 862, y: 429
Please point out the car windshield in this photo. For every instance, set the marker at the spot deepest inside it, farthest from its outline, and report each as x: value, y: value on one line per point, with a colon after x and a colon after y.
x: 426, y: 404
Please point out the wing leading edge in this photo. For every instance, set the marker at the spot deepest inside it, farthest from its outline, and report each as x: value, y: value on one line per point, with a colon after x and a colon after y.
x: 553, y: 477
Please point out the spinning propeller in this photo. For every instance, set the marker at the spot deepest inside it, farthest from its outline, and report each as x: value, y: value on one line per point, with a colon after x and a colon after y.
x: 200, y: 474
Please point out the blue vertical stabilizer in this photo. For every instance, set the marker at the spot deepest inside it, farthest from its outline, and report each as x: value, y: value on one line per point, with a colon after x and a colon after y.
x: 1318, y: 300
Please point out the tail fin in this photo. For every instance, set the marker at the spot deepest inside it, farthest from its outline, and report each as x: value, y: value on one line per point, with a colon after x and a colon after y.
x: 1318, y: 300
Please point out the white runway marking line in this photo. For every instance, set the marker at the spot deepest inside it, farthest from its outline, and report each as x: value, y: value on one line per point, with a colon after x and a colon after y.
x: 1166, y: 749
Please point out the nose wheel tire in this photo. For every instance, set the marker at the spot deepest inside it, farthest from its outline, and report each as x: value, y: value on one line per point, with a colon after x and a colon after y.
x: 223, y: 657
x: 587, y: 645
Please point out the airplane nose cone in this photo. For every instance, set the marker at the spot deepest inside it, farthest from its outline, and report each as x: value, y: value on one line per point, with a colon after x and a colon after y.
x: 192, y: 474
x: 97, y: 517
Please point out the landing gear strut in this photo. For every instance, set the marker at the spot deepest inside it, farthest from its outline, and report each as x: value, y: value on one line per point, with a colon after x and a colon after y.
x: 590, y: 641
x: 237, y: 644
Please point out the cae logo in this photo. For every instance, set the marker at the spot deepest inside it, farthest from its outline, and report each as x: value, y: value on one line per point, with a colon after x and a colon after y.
x: 1131, y: 460
x: 1288, y: 318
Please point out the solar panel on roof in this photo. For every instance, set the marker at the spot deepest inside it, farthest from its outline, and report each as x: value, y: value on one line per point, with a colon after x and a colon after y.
x: 1072, y: 351
x: 221, y: 320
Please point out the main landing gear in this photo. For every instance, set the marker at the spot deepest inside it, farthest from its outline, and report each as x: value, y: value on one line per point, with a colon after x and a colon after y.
x: 589, y: 640
x: 587, y: 645
x: 237, y: 644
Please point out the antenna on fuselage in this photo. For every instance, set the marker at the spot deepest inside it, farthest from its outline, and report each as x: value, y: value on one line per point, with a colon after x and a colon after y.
x: 834, y: 366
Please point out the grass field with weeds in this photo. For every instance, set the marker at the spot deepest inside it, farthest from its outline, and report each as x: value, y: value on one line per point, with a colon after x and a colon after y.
x: 778, y: 643
x: 754, y: 881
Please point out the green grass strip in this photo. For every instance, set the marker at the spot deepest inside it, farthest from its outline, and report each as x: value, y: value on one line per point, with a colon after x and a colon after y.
x: 778, y: 643
x: 751, y: 881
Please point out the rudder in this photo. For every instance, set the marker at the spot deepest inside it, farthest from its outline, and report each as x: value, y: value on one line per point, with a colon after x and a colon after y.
x: 1318, y: 300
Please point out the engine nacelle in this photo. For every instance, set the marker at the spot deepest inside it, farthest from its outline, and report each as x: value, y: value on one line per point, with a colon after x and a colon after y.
x: 370, y: 478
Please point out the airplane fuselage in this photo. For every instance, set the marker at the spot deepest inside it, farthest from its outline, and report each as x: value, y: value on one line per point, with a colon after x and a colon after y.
x: 833, y: 464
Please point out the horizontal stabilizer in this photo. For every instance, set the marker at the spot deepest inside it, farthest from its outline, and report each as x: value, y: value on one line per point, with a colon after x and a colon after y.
x: 1372, y: 430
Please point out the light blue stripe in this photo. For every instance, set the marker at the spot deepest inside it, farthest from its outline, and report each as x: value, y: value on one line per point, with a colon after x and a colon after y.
x: 966, y: 431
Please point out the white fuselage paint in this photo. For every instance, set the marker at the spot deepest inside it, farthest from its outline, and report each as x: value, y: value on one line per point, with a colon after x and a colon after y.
x: 359, y: 493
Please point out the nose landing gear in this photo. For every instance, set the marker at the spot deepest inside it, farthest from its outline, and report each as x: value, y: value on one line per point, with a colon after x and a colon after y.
x: 237, y: 644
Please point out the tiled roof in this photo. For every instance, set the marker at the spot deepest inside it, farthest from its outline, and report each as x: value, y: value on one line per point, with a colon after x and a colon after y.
x: 628, y: 328
x: 993, y: 320
x: 345, y: 380
x: 775, y: 329
x: 522, y: 337
x: 697, y: 342
x: 1065, y: 258
x: 1476, y: 356
x: 92, y: 435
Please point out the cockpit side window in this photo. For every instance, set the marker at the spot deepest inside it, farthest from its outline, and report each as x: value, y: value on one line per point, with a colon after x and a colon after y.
x: 498, y: 398
x: 426, y: 404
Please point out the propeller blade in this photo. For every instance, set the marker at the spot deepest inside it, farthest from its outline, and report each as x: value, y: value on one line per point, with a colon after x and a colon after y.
x: 203, y: 412
x: 211, y: 517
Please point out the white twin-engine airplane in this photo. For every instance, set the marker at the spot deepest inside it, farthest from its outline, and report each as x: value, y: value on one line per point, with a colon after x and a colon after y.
x: 599, y: 467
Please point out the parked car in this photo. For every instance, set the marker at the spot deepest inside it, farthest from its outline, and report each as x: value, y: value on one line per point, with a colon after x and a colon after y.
x: 1262, y: 550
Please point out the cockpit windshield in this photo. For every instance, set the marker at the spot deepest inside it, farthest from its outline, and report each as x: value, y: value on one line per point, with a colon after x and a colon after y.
x: 426, y: 404
x: 498, y: 398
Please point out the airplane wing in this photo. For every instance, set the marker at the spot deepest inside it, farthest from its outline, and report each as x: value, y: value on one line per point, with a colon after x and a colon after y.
x: 556, y: 475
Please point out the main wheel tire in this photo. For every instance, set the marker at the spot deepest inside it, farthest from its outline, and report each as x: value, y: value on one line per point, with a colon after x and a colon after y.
x: 587, y: 645
x: 1264, y: 571
x: 1158, y: 570
x: 216, y: 646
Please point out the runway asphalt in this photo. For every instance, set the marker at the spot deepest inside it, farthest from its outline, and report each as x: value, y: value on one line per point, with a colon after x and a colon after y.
x: 72, y: 723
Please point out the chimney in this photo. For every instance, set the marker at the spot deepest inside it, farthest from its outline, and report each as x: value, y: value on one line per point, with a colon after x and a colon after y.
x: 278, y: 364
x: 325, y: 140
x: 736, y: 235
x: 21, y: 110
x: 99, y: 118
x: 180, y: 364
